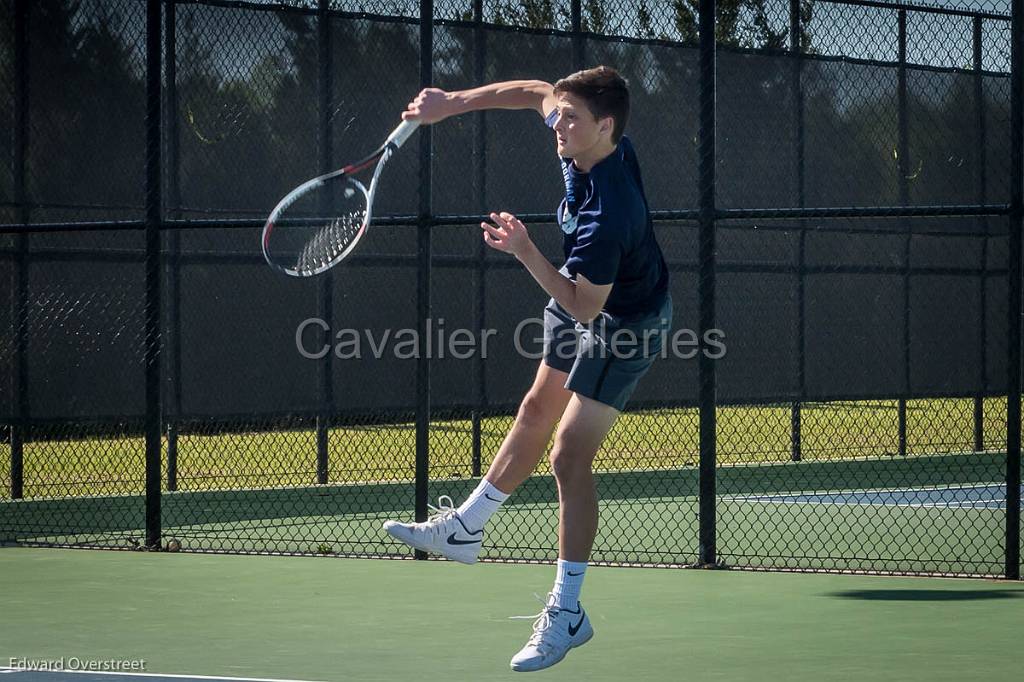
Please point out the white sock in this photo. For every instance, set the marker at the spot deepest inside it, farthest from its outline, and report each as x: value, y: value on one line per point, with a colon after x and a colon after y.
x: 481, y: 503
x: 568, y: 582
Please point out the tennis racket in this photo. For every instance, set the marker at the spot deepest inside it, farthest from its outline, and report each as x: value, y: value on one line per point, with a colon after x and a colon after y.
x: 316, y: 225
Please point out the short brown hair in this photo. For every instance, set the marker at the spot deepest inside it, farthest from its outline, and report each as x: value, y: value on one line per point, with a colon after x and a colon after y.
x: 605, y: 92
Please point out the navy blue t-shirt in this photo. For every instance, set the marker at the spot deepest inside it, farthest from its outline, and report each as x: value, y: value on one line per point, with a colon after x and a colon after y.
x: 608, y: 234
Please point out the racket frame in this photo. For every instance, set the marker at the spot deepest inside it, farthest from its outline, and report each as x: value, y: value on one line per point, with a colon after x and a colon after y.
x: 380, y: 156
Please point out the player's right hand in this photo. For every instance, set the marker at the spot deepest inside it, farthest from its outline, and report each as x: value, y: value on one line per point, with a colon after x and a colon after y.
x: 430, y: 106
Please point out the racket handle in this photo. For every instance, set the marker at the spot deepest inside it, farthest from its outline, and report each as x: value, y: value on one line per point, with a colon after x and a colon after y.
x: 400, y: 134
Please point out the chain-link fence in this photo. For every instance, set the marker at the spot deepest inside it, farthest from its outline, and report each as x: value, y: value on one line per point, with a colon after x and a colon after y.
x: 836, y: 186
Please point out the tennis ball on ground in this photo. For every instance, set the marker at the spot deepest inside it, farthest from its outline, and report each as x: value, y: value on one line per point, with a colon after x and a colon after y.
x: 173, y: 545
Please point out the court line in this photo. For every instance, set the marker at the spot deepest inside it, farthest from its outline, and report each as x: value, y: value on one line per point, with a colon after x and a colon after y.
x: 843, y: 491
x: 974, y: 505
x: 801, y: 497
x: 174, y: 676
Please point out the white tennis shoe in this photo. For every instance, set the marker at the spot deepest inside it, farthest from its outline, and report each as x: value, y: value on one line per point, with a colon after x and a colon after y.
x: 443, y: 533
x: 555, y: 632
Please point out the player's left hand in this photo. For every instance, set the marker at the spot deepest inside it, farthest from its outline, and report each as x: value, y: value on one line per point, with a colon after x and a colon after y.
x: 507, y: 234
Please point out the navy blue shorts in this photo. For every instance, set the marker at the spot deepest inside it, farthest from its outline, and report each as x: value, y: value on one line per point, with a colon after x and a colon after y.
x: 606, y: 358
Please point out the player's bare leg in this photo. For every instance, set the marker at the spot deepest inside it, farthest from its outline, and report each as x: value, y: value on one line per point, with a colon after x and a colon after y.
x: 584, y: 427
x: 563, y: 624
x: 526, y: 441
x: 458, y: 533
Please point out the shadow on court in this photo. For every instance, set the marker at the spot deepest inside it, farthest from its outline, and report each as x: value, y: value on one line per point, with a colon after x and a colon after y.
x: 928, y: 595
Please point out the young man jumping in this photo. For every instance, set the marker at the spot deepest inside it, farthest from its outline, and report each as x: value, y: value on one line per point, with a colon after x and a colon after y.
x: 603, y: 327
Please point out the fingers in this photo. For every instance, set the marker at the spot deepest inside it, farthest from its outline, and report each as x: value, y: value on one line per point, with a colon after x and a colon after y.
x: 507, y: 234
x: 501, y: 223
x: 425, y: 106
x: 495, y: 233
x: 412, y: 110
x: 491, y: 242
x: 506, y: 220
x: 496, y: 237
x: 509, y: 222
x: 495, y: 243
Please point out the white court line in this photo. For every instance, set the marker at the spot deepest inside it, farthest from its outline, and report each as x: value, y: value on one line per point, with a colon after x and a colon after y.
x: 973, y: 505
x: 848, y: 491
x: 781, y: 498
x: 130, y: 674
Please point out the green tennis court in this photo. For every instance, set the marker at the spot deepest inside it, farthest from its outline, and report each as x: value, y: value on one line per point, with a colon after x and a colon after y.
x: 351, y: 619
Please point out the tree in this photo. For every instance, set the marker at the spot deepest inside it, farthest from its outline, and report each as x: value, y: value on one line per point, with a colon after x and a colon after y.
x: 529, y: 13
x: 741, y: 23
x: 87, y: 109
x: 595, y: 17
x: 643, y: 17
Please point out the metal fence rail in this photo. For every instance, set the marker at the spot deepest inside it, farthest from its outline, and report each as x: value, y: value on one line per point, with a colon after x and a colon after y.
x: 837, y: 186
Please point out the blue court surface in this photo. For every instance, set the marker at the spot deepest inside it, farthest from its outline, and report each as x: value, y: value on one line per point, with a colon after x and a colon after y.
x: 981, y: 496
x: 16, y: 675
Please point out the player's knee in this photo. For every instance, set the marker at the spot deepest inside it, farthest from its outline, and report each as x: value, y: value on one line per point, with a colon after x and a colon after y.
x: 565, y: 467
x: 534, y: 413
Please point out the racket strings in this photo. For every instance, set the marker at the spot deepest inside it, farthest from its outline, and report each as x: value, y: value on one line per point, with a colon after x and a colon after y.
x: 328, y: 244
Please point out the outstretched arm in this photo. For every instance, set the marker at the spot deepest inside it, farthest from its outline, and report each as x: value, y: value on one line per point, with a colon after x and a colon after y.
x: 433, y: 105
x: 583, y: 299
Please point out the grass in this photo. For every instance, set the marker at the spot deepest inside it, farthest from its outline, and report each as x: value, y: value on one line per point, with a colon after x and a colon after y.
x: 641, y: 441
x: 642, y: 521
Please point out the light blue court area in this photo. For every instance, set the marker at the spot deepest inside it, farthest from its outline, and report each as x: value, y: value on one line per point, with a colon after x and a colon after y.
x: 976, y: 496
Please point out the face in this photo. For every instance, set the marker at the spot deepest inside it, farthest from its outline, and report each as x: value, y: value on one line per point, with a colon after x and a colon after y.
x: 577, y: 132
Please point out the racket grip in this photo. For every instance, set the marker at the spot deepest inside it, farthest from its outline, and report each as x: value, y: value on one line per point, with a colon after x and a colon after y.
x: 400, y: 134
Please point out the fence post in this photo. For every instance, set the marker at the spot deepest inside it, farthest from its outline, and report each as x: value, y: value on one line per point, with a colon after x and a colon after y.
x: 982, y: 177
x: 423, y: 276
x: 576, y: 30
x: 902, y: 167
x: 173, y: 345
x: 1014, y: 293
x: 154, y: 49
x: 706, y: 369
x: 796, y: 57
x: 19, y: 427
x: 325, y: 285
x: 480, y: 272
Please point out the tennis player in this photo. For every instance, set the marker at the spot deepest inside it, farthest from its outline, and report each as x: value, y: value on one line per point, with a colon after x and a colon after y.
x: 603, y: 327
